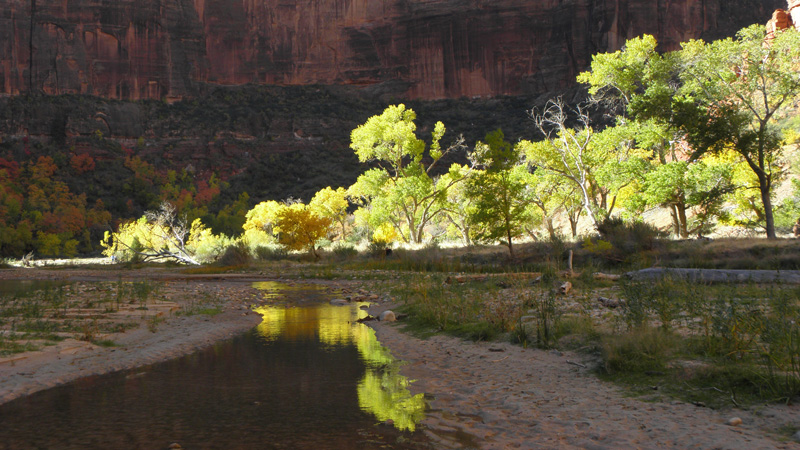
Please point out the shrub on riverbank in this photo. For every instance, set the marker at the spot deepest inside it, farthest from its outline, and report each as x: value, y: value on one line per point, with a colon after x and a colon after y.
x: 668, y: 333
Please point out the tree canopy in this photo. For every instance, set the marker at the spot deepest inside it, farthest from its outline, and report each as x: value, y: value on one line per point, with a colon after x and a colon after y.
x: 723, y: 95
x: 402, y: 191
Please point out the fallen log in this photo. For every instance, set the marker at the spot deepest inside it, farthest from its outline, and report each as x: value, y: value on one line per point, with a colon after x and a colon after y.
x: 477, y: 278
x: 606, y: 276
x: 718, y: 275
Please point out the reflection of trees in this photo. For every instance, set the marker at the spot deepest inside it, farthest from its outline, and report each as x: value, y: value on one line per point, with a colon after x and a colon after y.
x: 382, y: 391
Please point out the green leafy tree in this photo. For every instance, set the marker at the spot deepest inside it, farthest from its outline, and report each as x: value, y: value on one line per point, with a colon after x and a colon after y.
x: 682, y: 187
x: 402, y: 190
x: 744, y: 87
x: 500, y: 192
x: 231, y: 218
x: 458, y: 205
x: 600, y: 165
x: 724, y: 95
x: 552, y: 194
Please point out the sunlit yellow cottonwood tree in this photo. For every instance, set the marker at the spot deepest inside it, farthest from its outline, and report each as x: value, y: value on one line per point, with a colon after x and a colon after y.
x: 333, y: 204
x: 402, y: 190
x: 259, y: 225
x: 300, y: 228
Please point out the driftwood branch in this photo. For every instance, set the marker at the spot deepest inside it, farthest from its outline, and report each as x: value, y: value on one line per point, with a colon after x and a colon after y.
x: 155, y: 255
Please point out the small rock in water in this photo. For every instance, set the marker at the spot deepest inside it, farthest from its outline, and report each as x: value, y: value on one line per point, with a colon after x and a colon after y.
x: 339, y: 302
x: 387, y: 316
x: 734, y: 421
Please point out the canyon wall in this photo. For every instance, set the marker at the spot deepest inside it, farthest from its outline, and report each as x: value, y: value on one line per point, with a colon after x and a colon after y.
x: 427, y: 49
x: 784, y: 18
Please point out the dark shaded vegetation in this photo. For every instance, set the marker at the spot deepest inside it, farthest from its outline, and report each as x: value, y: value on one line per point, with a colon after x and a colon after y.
x: 213, y: 157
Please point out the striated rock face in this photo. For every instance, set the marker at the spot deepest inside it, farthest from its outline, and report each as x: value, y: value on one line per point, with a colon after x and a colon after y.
x: 169, y: 49
x: 794, y: 11
x: 784, y: 18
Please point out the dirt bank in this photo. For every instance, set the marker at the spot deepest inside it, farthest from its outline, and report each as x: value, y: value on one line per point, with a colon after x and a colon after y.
x: 501, y: 396
x: 176, y: 332
x: 482, y: 395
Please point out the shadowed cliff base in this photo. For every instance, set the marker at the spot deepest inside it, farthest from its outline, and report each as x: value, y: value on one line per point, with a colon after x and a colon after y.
x: 271, y: 142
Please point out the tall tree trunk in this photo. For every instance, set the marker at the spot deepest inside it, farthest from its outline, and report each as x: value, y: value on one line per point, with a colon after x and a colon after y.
x: 465, y: 236
x: 676, y: 224
x: 587, y: 205
x: 682, y: 219
x: 551, y: 230
x: 573, y: 225
x: 764, y: 187
x: 510, y: 244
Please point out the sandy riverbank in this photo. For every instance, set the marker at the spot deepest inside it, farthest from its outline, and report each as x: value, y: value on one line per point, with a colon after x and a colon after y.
x: 501, y: 396
x: 482, y: 395
x: 174, y: 335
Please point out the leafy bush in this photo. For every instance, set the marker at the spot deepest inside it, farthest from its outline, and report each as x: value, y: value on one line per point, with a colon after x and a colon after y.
x: 546, y: 316
x: 164, y: 236
x: 270, y: 253
x: 344, y: 251
x: 619, y: 241
x: 237, y: 254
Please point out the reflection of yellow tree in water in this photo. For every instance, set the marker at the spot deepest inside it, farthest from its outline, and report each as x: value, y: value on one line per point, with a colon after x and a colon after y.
x: 383, y: 391
x: 292, y: 324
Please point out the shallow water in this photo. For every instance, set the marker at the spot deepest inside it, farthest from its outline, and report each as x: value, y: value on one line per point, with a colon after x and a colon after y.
x: 306, y: 378
x: 11, y: 287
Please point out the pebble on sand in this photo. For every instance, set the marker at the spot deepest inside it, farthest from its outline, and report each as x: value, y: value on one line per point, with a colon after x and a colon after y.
x: 734, y: 421
x: 387, y: 316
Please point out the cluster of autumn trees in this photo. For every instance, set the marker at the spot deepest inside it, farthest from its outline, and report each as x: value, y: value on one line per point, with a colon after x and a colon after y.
x: 38, y: 212
x: 62, y: 204
x: 699, y: 131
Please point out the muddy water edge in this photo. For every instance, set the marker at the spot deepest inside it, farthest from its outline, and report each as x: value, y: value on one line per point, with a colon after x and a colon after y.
x: 309, y: 376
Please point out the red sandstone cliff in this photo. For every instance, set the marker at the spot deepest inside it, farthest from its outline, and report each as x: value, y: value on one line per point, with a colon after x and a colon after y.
x: 134, y: 49
x: 784, y: 18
